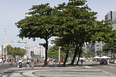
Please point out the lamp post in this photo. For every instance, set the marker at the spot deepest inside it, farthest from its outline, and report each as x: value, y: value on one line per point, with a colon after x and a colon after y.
x: 59, y: 54
x: 5, y: 30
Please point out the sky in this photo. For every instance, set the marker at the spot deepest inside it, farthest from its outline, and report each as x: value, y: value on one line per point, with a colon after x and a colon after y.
x: 12, y: 11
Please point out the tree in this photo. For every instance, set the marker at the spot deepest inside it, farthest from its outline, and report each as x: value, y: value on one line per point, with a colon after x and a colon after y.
x: 40, y: 24
x: 37, y: 56
x: 10, y: 50
x: 54, y: 52
x: 89, y: 54
x: 15, y: 51
x: 66, y: 46
x: 79, y: 24
x: 100, y: 52
x: 76, y: 23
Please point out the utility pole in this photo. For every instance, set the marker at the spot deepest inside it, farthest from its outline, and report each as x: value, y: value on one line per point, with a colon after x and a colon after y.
x: 5, y: 30
x: 101, y: 48
x: 59, y: 55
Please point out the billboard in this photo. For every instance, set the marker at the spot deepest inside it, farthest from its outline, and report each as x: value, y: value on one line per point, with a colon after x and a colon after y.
x: 19, y: 41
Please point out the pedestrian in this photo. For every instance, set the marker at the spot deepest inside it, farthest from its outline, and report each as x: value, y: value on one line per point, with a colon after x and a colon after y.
x: 62, y: 61
x: 37, y: 60
x: 0, y: 61
x: 20, y: 63
x: 32, y: 62
x: 108, y: 61
x: 81, y: 61
x: 10, y: 61
x: 28, y: 63
x: 48, y: 61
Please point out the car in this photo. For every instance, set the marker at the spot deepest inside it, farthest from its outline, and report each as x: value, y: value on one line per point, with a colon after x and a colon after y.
x: 111, y: 61
x: 114, y: 61
x: 103, y: 61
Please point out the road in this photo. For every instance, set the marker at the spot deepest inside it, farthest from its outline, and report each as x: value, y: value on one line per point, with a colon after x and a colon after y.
x: 111, y: 68
x: 5, y: 66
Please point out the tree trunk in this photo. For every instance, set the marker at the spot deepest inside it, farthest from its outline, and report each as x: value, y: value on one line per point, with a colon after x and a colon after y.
x: 76, y: 50
x: 46, y: 49
x: 67, y: 54
x: 80, y: 51
x: 72, y: 62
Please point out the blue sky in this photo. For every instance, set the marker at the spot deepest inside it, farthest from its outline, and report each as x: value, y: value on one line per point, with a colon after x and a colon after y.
x: 11, y: 11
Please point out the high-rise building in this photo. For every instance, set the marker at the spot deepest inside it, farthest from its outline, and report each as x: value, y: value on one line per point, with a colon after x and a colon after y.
x: 97, y: 46
x: 111, y: 16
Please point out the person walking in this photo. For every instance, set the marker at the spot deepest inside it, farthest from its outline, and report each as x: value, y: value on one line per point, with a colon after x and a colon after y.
x: 81, y: 61
x: 10, y: 61
x: 32, y: 62
x: 47, y: 60
x: 0, y: 61
x: 28, y: 63
x: 108, y: 61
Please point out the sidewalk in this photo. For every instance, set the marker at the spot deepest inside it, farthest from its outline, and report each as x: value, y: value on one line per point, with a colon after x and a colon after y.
x: 52, y: 71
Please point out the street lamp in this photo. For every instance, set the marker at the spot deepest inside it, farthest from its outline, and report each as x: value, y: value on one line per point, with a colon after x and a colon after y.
x: 5, y: 30
x: 59, y: 54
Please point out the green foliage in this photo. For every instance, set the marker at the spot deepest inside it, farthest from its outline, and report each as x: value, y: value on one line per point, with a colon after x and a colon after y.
x: 15, y: 51
x: 99, y: 53
x: 73, y: 22
x: 89, y: 54
x: 37, y: 56
x: 78, y: 24
x: 40, y: 24
x: 110, y: 46
x: 53, y: 52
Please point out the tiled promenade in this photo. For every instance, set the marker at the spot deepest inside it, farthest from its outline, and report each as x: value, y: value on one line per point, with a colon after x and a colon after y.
x: 70, y: 71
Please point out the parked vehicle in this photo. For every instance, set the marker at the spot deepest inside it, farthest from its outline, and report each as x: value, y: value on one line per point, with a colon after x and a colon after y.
x: 111, y: 61
x: 114, y: 61
x: 103, y: 61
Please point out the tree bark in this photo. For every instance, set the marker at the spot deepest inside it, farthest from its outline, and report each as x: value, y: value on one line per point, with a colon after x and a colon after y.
x: 46, y: 49
x: 76, y: 50
x: 72, y: 62
x: 67, y: 54
x: 80, y: 51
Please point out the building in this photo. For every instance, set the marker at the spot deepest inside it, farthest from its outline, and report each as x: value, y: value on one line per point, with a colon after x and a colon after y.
x: 111, y: 16
x: 99, y: 45
x: 114, y: 25
x: 2, y: 50
x: 95, y: 46
x: 34, y: 50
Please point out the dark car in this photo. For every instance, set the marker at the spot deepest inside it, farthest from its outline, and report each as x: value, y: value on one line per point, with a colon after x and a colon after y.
x: 103, y: 61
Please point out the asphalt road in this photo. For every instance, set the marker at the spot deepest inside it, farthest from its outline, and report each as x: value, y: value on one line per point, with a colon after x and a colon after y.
x: 111, y: 68
x: 5, y: 66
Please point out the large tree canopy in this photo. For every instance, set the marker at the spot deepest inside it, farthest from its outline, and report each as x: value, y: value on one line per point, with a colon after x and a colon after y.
x: 75, y: 23
x: 40, y: 24
x: 78, y: 24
